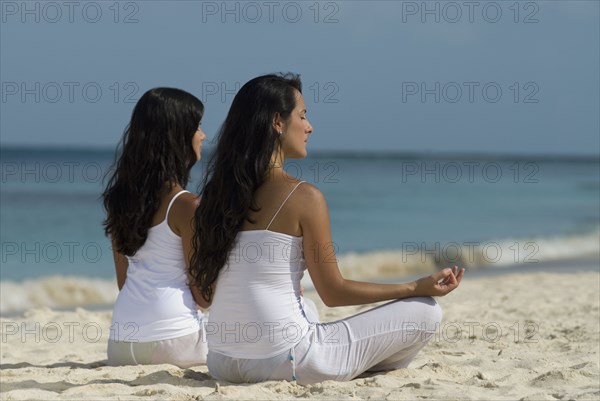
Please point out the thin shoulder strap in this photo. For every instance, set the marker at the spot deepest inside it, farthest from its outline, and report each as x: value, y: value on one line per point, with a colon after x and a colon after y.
x: 173, y: 200
x: 285, y: 200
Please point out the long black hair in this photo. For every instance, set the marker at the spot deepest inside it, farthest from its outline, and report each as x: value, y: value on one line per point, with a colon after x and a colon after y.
x: 239, y: 165
x: 156, y: 150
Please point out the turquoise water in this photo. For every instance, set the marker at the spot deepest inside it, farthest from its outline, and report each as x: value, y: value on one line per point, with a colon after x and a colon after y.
x: 51, y: 213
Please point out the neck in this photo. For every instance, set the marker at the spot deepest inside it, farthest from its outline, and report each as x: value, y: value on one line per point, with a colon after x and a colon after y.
x: 276, y: 164
x: 277, y: 159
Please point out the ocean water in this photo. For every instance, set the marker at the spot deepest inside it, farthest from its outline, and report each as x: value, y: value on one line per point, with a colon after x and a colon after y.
x: 391, y: 214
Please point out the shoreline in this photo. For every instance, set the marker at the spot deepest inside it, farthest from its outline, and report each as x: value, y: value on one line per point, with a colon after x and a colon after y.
x: 582, y: 264
x: 109, y: 289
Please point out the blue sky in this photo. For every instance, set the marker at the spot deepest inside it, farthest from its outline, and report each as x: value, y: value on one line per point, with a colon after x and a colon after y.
x: 494, y: 77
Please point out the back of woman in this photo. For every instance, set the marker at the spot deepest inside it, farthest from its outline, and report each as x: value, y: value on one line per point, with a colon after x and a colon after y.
x: 259, y: 290
x: 155, y: 302
x: 155, y: 317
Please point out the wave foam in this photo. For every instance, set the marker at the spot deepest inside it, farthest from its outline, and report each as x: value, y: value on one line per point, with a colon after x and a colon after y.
x: 415, y: 260
x: 70, y: 292
x: 56, y: 292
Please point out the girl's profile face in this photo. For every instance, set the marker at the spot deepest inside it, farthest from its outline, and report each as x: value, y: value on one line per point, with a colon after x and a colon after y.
x: 197, y: 140
x: 296, y: 131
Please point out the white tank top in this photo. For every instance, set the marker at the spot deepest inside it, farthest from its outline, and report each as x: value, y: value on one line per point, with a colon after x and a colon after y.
x: 257, y: 311
x: 156, y: 302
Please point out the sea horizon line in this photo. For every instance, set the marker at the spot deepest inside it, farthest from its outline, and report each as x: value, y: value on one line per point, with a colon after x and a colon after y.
x: 381, y: 154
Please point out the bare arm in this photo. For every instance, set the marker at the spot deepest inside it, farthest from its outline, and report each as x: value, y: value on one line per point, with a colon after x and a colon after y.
x: 331, y: 286
x: 120, y: 266
x: 182, y: 216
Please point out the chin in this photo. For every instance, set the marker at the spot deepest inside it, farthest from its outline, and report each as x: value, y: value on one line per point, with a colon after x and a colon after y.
x: 301, y: 154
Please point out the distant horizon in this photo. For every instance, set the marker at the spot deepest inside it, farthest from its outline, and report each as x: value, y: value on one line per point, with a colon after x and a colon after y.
x: 344, y: 153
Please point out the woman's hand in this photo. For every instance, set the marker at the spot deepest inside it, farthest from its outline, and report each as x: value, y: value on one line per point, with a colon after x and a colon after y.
x: 440, y: 283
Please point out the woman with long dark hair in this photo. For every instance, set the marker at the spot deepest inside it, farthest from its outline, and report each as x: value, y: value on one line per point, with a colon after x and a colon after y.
x: 149, y: 213
x: 257, y: 229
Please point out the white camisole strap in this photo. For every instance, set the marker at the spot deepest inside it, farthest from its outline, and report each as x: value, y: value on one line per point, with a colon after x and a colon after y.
x: 173, y: 200
x: 285, y: 200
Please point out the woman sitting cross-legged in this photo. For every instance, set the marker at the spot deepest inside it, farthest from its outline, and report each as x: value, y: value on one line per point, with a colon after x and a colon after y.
x: 257, y: 230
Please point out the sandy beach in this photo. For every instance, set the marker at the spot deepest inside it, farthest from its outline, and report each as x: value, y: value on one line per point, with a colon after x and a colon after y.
x: 524, y: 336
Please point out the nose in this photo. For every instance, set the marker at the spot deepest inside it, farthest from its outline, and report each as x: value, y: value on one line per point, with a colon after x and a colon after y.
x: 310, y: 128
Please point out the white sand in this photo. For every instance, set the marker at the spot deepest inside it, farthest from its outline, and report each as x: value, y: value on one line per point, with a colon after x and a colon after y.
x: 560, y: 359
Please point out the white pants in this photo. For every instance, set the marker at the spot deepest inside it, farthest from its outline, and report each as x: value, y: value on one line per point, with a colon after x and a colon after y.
x: 185, y: 351
x: 384, y: 338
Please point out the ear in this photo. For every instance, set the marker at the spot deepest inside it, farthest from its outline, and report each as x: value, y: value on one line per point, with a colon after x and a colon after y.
x: 278, y: 123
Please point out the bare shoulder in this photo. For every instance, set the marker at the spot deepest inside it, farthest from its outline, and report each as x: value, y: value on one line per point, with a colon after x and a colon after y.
x: 187, y: 198
x: 309, y: 192
x: 183, y: 210
x: 313, y: 214
x: 309, y: 197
